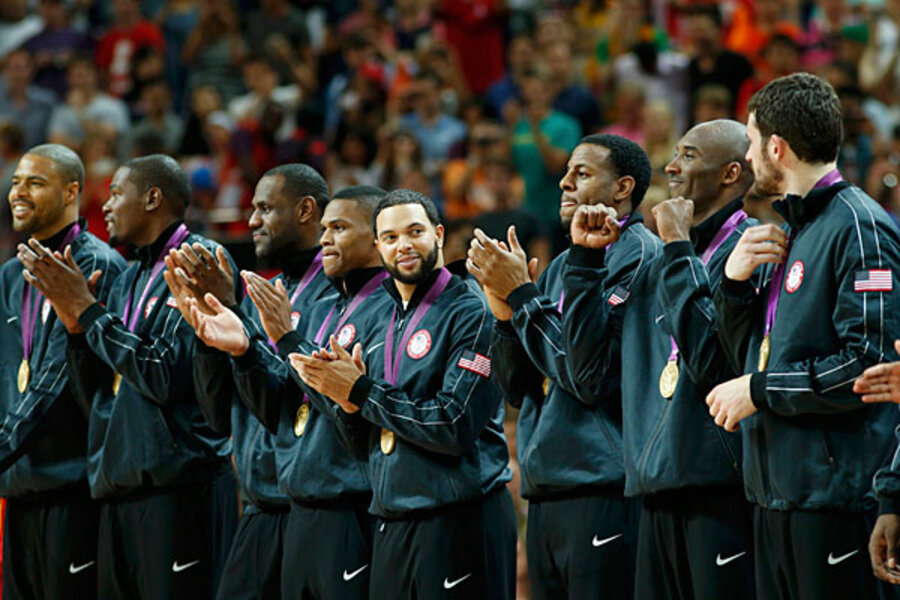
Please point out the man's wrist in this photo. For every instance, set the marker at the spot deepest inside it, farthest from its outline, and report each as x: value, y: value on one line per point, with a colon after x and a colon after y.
x: 242, y: 350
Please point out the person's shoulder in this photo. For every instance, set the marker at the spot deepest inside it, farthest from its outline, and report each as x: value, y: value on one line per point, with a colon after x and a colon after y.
x: 560, y: 120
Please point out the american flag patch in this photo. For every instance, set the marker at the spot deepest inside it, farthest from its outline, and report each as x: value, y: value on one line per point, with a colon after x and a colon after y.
x: 873, y: 280
x: 619, y: 295
x: 477, y: 363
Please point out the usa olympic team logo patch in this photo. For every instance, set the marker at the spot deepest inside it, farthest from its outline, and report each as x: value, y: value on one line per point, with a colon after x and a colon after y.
x: 419, y: 344
x: 346, y: 335
x: 148, y: 308
x: 295, y: 319
x: 794, y: 277
x: 45, y: 311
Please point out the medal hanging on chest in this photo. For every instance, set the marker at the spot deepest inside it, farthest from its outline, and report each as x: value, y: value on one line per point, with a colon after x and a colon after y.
x: 24, y: 376
x: 301, y: 419
x: 765, y: 348
x: 388, y: 441
x: 668, y: 379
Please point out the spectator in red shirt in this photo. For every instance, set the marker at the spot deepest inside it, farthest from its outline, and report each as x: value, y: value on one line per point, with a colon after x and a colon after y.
x: 129, y: 33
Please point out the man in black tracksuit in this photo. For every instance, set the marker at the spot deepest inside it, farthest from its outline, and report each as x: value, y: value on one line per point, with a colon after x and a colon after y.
x: 287, y: 205
x: 581, y: 529
x: 170, y: 499
x: 327, y: 536
x: 828, y: 311
x: 50, y: 533
x: 694, y: 539
x: 422, y: 408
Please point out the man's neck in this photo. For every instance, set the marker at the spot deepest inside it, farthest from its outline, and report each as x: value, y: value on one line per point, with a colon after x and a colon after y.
x: 154, y: 228
x: 48, y: 233
x: 801, y: 179
x: 712, y: 208
x: 406, y: 290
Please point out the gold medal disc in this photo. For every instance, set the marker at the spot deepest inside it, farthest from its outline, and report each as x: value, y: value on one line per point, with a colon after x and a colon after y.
x: 764, y: 349
x: 668, y: 380
x: 24, y: 375
x: 387, y: 441
x: 301, y: 419
x: 546, y: 386
x: 116, y: 384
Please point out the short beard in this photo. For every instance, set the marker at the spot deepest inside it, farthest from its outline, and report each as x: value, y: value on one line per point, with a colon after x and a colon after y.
x: 768, y: 183
x: 428, y: 262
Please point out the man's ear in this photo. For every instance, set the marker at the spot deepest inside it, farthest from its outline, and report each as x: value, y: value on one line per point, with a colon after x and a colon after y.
x: 71, y: 193
x: 306, y: 210
x: 439, y: 232
x: 153, y: 199
x: 624, y: 188
x: 733, y: 172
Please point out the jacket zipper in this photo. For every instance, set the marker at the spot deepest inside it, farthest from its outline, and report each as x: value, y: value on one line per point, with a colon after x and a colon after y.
x: 653, y: 437
x: 249, y: 460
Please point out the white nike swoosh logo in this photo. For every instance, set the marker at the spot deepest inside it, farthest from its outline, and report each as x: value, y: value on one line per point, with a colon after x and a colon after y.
x: 176, y: 568
x: 724, y: 561
x: 349, y: 576
x: 597, y: 543
x: 448, y: 585
x: 73, y: 569
x: 833, y: 561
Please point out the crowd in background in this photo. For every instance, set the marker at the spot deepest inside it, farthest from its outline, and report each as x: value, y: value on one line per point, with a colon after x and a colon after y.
x: 477, y: 103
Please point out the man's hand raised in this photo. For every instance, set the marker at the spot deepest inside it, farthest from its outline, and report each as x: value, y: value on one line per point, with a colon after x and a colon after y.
x: 272, y: 302
x: 499, y: 267
x: 594, y: 226
x: 758, y: 245
x: 333, y: 374
x: 880, y: 383
x: 222, y: 330
x: 674, y: 219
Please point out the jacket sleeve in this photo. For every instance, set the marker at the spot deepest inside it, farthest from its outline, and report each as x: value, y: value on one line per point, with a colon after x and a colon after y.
x: 740, y: 308
x: 866, y: 324
x: 596, y: 296
x: 685, y: 295
x: 513, y: 371
x: 214, y: 387
x: 50, y: 382
x: 450, y: 421
x: 87, y: 372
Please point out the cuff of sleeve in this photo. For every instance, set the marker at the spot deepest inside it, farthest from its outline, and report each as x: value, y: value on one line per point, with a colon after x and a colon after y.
x: 288, y: 343
x: 90, y: 315
x: 77, y: 341
x: 205, y: 350
x: 888, y: 505
x: 523, y: 294
x: 359, y: 393
x: 580, y: 256
x: 675, y: 250
x: 505, y: 328
x: 735, y: 288
x: 245, y: 361
x: 758, y: 390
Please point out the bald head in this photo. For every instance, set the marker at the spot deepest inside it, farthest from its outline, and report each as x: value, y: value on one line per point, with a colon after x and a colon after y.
x: 709, y: 165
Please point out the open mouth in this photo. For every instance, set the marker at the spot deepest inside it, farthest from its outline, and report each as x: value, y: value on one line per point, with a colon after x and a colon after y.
x: 22, y: 209
x: 408, y: 262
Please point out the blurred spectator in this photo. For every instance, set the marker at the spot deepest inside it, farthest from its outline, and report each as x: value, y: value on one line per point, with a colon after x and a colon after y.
x: 464, y: 183
x: 710, y: 63
x: 351, y: 90
x: 711, y: 102
x: 399, y: 153
x: 883, y: 182
x: 520, y: 57
x: 663, y: 75
x: 158, y: 118
x: 261, y: 80
x: 856, y: 153
x: 413, y: 23
x: 214, y: 51
x: 660, y: 137
x: 100, y: 162
x: 879, y: 68
x: 629, y: 112
x: 822, y: 35
x: 21, y: 102
x: 205, y: 100
x: 116, y: 50
x: 571, y: 97
x: 781, y: 57
x: 148, y: 67
x: 16, y: 25
x: 276, y: 18
x: 458, y: 234
x: 12, y: 146
x: 350, y: 165
x: 56, y: 44
x: 542, y: 139
x: 753, y: 23
x: 87, y: 110
x: 475, y: 32
x: 176, y: 21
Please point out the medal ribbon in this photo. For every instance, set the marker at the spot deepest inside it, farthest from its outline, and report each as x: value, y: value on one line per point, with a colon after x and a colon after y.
x: 129, y: 318
x: 311, y: 271
x: 367, y: 290
x: 725, y: 230
x: 29, y: 312
x: 392, y: 359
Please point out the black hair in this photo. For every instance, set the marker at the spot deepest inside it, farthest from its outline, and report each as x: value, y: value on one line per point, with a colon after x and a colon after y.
x: 782, y: 39
x: 627, y: 159
x: 302, y: 180
x: 367, y: 196
x: 402, y: 196
x: 805, y: 111
x: 163, y: 172
x: 67, y: 163
x: 710, y: 11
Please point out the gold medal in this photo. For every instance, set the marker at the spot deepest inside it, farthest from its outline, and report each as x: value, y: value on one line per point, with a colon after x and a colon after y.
x: 546, y: 386
x: 24, y: 375
x: 116, y: 384
x: 388, y: 442
x: 764, y: 349
x: 668, y: 380
x: 301, y: 419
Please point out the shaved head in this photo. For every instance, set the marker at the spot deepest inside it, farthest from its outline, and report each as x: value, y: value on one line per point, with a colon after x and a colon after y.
x: 725, y: 138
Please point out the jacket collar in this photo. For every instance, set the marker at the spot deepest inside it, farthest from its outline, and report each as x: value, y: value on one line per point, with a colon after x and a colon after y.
x: 797, y: 211
x: 703, y: 233
x: 421, y: 290
x: 147, y: 255
x: 354, y: 280
x: 296, y: 263
x: 54, y: 241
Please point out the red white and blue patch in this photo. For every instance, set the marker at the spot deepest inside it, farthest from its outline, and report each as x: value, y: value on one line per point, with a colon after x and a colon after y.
x: 346, y: 335
x: 873, y: 280
x: 295, y: 319
x: 477, y: 363
x: 794, y: 277
x: 151, y: 303
x: 171, y: 302
x: 619, y: 295
x: 419, y: 344
x: 45, y: 311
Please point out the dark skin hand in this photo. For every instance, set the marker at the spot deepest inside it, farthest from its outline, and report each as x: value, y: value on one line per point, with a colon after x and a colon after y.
x: 594, y: 226
x: 673, y: 219
x: 883, y: 548
x: 331, y: 373
x: 59, y: 279
x: 498, y: 267
x: 204, y: 273
x: 272, y: 302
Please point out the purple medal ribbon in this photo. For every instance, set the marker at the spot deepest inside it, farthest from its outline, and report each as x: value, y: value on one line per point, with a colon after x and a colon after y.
x: 726, y: 230
x: 29, y: 317
x: 831, y: 178
x: 367, y: 290
x: 311, y: 271
x: 129, y: 318
x: 562, y: 294
x: 392, y: 362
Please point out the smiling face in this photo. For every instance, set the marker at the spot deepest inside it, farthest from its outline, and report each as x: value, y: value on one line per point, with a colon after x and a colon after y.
x: 38, y: 197
x: 589, y: 179
x: 409, y: 245
x: 274, y: 218
x: 347, y: 239
x: 124, y: 210
x: 694, y: 172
